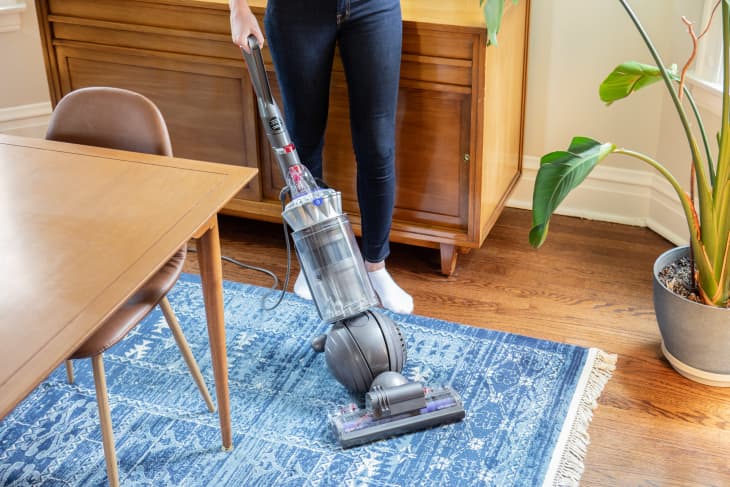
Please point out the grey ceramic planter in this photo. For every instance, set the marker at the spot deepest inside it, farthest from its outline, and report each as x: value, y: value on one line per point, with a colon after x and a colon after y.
x: 695, y: 337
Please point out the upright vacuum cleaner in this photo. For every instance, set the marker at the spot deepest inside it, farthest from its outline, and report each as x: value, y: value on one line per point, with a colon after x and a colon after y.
x: 364, y: 350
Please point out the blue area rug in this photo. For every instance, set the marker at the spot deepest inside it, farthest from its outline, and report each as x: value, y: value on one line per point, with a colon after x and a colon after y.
x: 528, y: 406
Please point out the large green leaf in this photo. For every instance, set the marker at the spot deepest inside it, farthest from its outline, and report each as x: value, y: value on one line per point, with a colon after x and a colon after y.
x: 627, y: 78
x: 493, y: 10
x: 560, y: 172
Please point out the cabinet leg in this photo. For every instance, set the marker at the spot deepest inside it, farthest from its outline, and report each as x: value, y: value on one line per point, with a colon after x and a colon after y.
x: 449, y: 254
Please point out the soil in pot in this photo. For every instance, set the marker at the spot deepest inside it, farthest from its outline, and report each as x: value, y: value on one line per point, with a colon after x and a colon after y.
x: 677, y: 277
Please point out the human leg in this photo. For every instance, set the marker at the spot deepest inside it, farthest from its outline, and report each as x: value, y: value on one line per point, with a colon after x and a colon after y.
x: 301, y: 36
x: 370, y: 39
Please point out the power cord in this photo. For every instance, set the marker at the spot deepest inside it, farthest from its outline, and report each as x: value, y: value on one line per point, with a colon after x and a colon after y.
x: 282, y: 197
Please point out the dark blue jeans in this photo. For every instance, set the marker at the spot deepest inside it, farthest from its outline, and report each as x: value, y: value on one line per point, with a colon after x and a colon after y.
x: 302, y: 35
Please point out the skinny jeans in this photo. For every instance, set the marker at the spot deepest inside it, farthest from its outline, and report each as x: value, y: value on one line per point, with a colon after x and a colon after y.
x: 302, y: 35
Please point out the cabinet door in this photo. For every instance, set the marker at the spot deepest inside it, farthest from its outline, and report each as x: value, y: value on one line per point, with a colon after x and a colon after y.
x: 209, y: 108
x: 432, y: 146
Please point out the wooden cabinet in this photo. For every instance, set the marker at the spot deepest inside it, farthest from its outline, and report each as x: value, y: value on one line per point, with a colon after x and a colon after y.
x: 460, y: 114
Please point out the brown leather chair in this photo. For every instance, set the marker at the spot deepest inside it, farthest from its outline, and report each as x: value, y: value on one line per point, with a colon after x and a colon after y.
x: 121, y: 119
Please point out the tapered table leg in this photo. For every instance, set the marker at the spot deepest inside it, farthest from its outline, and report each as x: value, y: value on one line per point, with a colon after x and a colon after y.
x: 211, y: 274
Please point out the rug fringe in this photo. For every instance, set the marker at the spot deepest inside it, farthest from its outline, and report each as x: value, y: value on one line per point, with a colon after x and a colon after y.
x: 569, y: 467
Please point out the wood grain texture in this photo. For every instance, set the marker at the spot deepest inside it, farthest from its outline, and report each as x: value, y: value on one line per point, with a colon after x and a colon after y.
x: 209, y: 251
x: 589, y: 285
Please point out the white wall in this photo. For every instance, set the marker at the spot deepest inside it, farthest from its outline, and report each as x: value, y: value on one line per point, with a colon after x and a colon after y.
x: 24, y: 99
x: 24, y: 78
x: 574, y: 44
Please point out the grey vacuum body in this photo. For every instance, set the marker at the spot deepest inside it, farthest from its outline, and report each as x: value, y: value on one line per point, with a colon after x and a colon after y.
x: 362, y: 347
x: 362, y: 344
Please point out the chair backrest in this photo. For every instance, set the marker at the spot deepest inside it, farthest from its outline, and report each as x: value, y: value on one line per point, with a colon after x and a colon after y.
x: 110, y: 117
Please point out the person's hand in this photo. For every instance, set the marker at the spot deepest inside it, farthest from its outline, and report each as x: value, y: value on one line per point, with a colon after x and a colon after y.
x: 244, y: 24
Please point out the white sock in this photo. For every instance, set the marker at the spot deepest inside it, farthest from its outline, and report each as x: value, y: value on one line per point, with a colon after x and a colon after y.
x: 391, y: 295
x: 301, y: 288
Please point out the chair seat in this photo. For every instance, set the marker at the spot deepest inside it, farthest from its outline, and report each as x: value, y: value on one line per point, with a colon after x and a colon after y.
x: 139, y: 305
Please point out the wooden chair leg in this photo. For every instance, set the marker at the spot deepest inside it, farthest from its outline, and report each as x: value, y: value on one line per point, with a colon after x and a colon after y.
x: 182, y: 344
x: 70, y: 371
x: 107, y: 434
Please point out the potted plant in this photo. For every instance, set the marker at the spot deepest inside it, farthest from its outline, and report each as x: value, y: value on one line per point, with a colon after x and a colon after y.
x: 695, y: 335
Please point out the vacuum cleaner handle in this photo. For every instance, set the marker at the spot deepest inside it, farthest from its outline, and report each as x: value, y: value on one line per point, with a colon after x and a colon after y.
x: 297, y: 177
x: 256, y: 69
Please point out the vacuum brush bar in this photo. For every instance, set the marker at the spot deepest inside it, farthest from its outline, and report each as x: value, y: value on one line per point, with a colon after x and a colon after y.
x: 355, y: 426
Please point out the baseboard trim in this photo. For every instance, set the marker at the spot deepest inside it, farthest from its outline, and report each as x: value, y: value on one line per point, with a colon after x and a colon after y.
x: 626, y: 196
x: 25, y: 119
x: 10, y: 16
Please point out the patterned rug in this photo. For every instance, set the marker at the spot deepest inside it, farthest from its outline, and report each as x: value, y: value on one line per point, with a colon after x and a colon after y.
x: 528, y: 405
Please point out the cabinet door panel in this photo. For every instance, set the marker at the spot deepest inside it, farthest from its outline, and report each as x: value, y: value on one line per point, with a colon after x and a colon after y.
x: 207, y: 19
x: 208, y: 109
x: 446, y: 44
x: 432, y: 140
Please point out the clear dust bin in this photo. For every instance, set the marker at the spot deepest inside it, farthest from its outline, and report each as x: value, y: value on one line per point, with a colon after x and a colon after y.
x: 334, y: 269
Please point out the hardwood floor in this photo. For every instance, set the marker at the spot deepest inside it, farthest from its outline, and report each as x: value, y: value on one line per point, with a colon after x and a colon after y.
x: 589, y: 285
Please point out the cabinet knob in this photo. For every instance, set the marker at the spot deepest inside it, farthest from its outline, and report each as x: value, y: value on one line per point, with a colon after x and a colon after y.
x: 466, y: 158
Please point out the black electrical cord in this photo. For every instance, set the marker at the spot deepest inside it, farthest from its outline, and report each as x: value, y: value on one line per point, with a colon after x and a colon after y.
x: 282, y: 197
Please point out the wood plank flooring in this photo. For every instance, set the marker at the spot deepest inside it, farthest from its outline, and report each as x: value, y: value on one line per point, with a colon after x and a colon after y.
x: 589, y: 285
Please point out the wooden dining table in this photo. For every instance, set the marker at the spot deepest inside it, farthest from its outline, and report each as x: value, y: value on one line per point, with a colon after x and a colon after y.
x: 81, y: 228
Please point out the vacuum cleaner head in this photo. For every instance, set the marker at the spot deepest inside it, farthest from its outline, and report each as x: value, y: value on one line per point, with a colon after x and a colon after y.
x: 395, y: 410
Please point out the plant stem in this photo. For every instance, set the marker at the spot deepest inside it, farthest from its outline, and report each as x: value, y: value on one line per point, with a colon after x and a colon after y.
x: 723, y: 169
x: 701, y: 128
x: 683, y: 197
x: 722, y: 186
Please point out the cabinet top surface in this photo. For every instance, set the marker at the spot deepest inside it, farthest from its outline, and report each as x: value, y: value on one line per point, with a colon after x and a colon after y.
x: 465, y: 13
